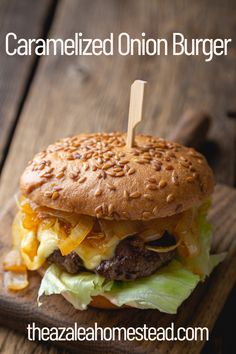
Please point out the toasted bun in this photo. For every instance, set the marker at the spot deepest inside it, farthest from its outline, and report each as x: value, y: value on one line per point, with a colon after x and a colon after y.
x: 95, y: 174
x: 101, y: 302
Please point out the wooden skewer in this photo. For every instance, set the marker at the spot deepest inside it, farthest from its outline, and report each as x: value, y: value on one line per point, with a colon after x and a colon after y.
x: 135, y: 110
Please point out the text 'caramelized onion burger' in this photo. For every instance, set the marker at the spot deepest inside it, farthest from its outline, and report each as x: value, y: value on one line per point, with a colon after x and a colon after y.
x: 112, y: 226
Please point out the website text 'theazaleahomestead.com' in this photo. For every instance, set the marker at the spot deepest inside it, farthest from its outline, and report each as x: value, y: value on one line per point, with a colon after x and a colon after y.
x: 142, y: 333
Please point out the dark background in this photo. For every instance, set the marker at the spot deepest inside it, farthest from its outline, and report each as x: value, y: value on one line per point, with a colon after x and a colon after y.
x: 43, y: 98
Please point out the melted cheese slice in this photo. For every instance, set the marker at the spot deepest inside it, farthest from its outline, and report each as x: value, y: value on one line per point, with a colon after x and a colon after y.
x: 38, y: 242
x: 95, y: 249
x: 35, y: 246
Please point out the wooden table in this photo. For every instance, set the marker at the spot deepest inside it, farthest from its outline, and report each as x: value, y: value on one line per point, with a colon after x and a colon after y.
x: 44, y: 98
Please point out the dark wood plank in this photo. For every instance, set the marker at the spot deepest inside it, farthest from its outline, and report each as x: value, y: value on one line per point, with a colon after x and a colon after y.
x: 12, y: 342
x: 201, y: 309
x: 26, y: 19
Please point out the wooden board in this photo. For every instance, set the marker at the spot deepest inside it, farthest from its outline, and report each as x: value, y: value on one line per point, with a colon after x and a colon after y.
x: 15, y: 72
x: 82, y: 94
x: 201, y: 309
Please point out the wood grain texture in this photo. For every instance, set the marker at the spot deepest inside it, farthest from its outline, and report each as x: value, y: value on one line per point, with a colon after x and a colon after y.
x: 201, y: 309
x: 12, y: 342
x: 15, y: 71
x: 73, y: 94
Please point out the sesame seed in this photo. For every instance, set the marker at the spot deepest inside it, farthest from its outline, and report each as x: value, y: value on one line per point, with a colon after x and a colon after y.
x: 123, y: 162
x: 98, y: 192
x: 111, y: 186
x: 161, y: 145
x: 119, y: 174
x: 57, y: 188
x: 136, y: 153
x: 170, y: 198
x: 98, y: 209
x: 47, y: 175
x: 111, y: 173
x: 125, y: 214
x: 48, y: 194
x: 135, y: 195
x: 107, y: 165
x: 189, y: 179
x: 152, y: 180
x: 169, y: 167
x: 69, y: 157
x: 55, y: 195
x: 117, y: 169
x: 60, y: 175
x: 142, y: 162
x: 147, y: 214
x: 162, y: 183
x: 184, y: 164
x: 82, y: 179
x: 148, y: 196
x: 151, y: 186
x: 131, y: 171
x: 137, y: 161
x: 86, y: 166
x: 174, y: 178
x: 155, y: 209
x: 73, y: 175
x: 126, y: 194
x: 157, y: 166
x: 110, y: 209
x: 183, y: 158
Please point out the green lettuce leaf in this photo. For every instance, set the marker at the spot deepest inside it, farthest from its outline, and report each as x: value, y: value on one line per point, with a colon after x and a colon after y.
x: 204, y: 262
x: 77, y: 289
x: 165, y: 290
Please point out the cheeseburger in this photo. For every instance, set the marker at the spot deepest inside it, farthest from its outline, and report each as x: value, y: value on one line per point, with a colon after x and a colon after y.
x: 111, y: 226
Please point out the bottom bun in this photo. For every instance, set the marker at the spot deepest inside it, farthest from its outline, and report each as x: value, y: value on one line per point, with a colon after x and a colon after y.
x: 101, y: 302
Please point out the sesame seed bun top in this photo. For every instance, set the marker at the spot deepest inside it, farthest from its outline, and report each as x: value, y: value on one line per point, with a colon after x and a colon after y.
x: 95, y: 174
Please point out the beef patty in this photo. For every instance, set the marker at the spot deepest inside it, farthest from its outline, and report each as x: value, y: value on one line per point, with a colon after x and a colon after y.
x: 71, y: 263
x: 130, y: 261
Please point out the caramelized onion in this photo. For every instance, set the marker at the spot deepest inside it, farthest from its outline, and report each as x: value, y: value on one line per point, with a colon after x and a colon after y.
x: 150, y: 235
x: 119, y: 229
x: 15, y: 273
x: 70, y: 218
x: 161, y: 249
x: 77, y: 235
x: 15, y: 281
x: 187, y: 235
x: 13, y: 262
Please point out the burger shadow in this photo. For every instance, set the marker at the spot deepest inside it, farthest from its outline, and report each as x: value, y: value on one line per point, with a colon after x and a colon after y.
x: 210, y: 149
